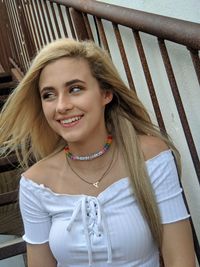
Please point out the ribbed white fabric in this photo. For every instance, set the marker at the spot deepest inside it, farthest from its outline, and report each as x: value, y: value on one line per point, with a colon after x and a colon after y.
x: 107, y: 230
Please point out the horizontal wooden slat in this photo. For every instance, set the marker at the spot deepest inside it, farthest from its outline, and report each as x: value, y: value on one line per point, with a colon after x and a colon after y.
x: 9, y: 197
x: 7, y: 85
x: 8, y: 163
x: 12, y: 248
x: 5, y: 77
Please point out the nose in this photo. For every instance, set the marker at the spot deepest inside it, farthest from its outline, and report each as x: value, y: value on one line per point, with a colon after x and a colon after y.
x: 64, y: 104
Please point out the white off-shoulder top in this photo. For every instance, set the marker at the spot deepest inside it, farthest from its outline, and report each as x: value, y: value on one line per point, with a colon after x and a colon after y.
x: 104, y: 231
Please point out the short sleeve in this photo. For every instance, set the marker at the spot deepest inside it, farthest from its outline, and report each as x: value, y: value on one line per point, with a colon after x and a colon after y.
x: 165, y: 181
x: 36, y: 219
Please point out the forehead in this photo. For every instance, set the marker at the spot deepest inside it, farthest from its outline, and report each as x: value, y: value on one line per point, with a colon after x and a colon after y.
x: 67, y: 68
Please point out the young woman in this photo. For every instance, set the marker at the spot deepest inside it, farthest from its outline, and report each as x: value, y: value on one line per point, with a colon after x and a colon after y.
x: 104, y: 190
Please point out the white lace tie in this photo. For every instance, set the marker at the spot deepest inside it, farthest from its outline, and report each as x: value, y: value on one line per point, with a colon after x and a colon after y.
x: 94, y: 223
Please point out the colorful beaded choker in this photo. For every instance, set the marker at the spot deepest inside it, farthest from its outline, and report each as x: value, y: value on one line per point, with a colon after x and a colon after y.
x: 90, y: 156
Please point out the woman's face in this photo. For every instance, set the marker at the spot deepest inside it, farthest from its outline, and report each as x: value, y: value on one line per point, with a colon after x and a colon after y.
x: 72, y: 101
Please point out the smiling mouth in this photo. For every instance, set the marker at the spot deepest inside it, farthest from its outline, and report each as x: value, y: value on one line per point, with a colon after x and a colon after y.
x: 71, y: 121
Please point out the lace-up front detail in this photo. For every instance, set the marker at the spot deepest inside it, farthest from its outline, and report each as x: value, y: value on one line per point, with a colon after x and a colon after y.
x: 94, y: 223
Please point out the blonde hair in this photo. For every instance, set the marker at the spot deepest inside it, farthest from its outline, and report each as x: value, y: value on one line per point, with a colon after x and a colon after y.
x: 24, y: 129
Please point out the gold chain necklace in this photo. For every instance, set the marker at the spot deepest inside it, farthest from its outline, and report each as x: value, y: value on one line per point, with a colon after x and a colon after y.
x: 95, y: 184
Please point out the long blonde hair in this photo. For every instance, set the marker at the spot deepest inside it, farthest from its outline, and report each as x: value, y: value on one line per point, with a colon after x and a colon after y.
x: 24, y: 129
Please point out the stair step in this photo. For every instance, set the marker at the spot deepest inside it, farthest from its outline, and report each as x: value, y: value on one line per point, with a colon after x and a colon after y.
x: 5, y: 91
x: 5, y: 77
x: 7, y: 85
x: 8, y: 163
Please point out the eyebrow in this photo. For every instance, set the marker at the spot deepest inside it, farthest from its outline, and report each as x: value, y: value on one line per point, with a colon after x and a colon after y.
x: 65, y: 84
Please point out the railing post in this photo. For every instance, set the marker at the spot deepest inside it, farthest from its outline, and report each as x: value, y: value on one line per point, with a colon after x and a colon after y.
x: 196, y: 61
x: 26, y: 34
x: 5, y: 51
x: 79, y: 24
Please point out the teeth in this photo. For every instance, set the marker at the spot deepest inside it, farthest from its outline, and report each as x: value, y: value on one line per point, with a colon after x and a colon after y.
x: 71, y: 120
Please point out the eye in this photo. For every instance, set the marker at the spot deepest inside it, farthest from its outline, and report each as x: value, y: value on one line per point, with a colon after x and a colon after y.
x: 75, y: 89
x: 48, y: 95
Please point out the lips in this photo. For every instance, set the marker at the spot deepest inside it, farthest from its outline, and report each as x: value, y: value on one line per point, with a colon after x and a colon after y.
x: 71, y: 121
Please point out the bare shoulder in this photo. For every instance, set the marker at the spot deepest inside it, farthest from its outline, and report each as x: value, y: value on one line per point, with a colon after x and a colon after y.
x: 152, y: 146
x: 43, y: 170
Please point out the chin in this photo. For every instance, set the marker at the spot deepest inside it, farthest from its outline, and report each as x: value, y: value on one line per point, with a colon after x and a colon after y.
x: 72, y: 138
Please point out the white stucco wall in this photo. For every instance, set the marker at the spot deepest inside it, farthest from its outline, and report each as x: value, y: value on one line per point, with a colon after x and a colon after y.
x: 181, y: 9
x: 186, y: 80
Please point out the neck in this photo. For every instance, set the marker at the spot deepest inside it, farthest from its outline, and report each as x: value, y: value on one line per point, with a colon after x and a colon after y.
x: 89, y: 147
x: 92, y: 167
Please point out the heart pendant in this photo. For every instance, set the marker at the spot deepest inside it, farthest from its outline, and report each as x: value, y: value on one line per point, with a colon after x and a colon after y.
x: 96, y: 184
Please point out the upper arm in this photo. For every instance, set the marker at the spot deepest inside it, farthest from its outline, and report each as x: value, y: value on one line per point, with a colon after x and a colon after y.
x: 177, y: 247
x: 36, y: 218
x: 40, y: 256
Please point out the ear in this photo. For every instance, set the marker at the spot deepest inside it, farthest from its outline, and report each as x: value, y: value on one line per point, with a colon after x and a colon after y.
x: 107, y: 96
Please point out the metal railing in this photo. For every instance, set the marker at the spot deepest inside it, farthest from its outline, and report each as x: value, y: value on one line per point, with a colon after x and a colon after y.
x: 27, y: 25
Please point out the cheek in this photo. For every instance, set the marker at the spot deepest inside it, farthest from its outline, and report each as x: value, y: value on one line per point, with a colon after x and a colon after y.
x: 48, y: 116
x: 47, y: 110
x: 94, y: 102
